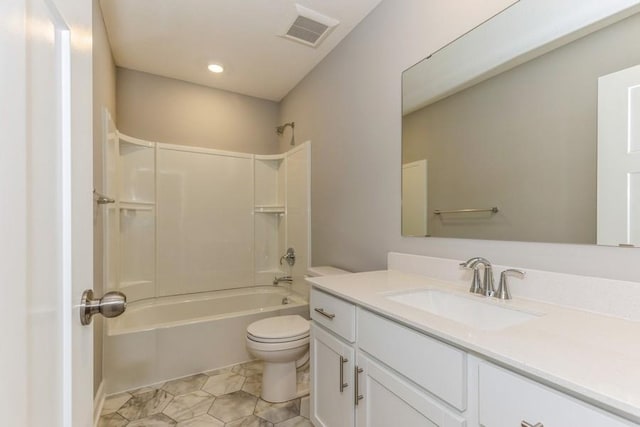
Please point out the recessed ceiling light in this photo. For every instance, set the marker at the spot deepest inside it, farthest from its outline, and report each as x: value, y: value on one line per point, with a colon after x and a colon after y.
x: 215, y: 68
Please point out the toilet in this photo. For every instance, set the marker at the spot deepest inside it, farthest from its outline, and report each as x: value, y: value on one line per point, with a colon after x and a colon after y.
x: 282, y: 343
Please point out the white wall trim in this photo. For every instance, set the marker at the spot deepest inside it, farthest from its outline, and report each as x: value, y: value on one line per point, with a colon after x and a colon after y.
x: 201, y: 150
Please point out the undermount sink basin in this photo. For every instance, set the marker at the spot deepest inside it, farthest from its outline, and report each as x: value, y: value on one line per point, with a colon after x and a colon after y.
x: 471, y: 310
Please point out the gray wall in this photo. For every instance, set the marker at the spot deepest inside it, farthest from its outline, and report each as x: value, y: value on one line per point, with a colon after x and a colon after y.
x: 172, y: 111
x: 104, y: 96
x: 350, y: 107
x: 533, y: 128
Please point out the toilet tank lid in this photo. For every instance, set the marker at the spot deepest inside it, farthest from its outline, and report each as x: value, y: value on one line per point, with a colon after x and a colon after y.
x: 325, y: 270
x: 279, y: 327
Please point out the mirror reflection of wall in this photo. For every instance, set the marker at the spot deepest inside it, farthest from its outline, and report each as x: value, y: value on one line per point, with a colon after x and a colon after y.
x: 524, y: 140
x: 414, y: 198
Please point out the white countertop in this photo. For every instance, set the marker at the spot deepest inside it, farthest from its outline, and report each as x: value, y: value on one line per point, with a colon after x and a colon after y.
x: 592, y: 356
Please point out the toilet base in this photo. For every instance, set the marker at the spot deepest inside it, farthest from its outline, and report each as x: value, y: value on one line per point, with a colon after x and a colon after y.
x: 279, y: 382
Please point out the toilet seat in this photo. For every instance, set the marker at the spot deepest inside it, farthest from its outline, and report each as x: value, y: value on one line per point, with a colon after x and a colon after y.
x: 279, y: 329
x: 277, y: 346
x: 276, y: 340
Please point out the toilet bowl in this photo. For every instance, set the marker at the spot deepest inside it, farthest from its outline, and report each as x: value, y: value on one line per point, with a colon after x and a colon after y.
x: 282, y: 343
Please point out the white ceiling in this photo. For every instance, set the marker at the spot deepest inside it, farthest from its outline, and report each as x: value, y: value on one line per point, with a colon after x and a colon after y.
x: 179, y: 38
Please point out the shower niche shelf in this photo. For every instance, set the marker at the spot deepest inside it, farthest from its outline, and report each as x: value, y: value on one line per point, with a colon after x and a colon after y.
x: 136, y: 206
x: 136, y: 202
x: 130, y: 221
x: 269, y: 209
x: 281, y: 212
x: 270, y: 221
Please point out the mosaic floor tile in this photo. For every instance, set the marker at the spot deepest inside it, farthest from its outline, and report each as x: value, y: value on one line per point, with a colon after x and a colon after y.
x: 114, y: 402
x: 223, y: 383
x: 145, y: 404
x: 305, y: 407
x: 303, y: 379
x: 250, y: 421
x: 112, y: 420
x: 201, y: 421
x: 219, y: 371
x: 157, y: 420
x: 248, y: 369
x: 189, y: 405
x: 277, y: 412
x: 146, y: 389
x: 192, y: 402
x: 232, y: 406
x: 295, y: 422
x: 185, y: 385
x: 253, y: 385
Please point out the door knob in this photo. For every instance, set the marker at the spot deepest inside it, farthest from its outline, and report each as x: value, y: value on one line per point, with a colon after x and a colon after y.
x: 112, y: 304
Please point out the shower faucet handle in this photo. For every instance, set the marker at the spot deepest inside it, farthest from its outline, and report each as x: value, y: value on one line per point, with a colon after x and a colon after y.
x: 290, y: 257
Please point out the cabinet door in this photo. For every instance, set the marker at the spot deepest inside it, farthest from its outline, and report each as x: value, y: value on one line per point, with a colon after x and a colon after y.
x: 331, y: 406
x: 507, y: 399
x: 389, y: 400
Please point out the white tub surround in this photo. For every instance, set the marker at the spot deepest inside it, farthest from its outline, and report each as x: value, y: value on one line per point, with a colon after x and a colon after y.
x: 583, y: 340
x: 166, y: 338
x: 188, y: 219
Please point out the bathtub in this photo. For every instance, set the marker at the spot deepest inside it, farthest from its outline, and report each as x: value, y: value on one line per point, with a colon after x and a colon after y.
x: 171, y: 337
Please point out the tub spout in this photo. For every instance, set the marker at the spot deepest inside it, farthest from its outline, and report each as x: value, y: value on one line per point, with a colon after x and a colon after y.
x: 277, y: 280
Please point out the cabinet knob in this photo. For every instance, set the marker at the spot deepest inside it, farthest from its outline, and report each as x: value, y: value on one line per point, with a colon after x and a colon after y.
x: 526, y: 424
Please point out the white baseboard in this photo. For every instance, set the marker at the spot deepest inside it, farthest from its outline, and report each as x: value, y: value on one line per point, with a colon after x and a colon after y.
x: 98, y: 402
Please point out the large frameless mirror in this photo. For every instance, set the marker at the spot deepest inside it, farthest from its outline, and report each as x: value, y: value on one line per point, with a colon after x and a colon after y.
x: 528, y: 128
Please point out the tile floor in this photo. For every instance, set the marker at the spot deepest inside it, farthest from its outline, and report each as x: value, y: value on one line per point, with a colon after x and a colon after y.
x: 225, y: 397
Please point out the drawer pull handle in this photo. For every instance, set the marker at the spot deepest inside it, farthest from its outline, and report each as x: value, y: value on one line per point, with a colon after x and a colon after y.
x: 356, y: 395
x: 324, y: 313
x: 526, y: 424
x: 343, y: 360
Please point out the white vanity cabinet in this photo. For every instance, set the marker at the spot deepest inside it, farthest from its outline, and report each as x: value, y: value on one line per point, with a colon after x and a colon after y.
x: 332, y: 367
x: 507, y: 399
x: 388, y: 399
x: 394, y: 375
x: 357, y: 375
x: 332, y: 360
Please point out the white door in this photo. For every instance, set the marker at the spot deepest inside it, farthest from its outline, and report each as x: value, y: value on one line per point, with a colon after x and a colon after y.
x: 619, y: 158
x: 46, y: 219
x: 414, y: 198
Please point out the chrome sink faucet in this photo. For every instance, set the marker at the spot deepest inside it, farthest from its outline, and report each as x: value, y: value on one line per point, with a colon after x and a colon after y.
x: 484, y: 287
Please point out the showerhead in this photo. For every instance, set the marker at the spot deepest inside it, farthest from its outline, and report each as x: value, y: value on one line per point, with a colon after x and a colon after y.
x: 280, y: 131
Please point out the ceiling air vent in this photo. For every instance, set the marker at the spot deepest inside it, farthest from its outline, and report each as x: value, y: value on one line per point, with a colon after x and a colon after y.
x: 310, y: 27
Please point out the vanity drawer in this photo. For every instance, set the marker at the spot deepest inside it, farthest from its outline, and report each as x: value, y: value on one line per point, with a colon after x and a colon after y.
x: 337, y: 315
x: 508, y: 399
x: 433, y: 365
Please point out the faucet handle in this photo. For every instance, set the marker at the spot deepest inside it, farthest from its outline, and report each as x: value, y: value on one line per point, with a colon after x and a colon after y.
x: 503, y: 289
x: 476, y: 283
